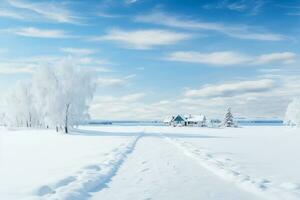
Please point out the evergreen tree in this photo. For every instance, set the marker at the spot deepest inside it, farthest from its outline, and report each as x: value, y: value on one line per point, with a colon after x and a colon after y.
x: 228, y: 121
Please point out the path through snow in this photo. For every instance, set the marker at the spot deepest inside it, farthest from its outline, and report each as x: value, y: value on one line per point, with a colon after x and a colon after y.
x: 160, y: 165
x: 159, y: 170
x: 259, y: 186
x: 89, y: 179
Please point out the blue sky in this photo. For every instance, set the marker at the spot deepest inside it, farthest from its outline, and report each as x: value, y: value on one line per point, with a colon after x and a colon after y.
x: 155, y: 58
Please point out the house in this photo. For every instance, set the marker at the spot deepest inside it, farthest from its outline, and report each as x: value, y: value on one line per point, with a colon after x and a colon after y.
x: 177, y: 120
x: 185, y: 120
x: 196, y: 120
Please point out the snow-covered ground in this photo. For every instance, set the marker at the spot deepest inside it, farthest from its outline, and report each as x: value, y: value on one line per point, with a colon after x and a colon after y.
x: 37, y: 162
x: 150, y: 162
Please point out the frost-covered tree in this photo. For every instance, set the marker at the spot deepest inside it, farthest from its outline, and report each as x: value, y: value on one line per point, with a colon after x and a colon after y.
x: 292, y: 115
x: 63, y: 94
x: 21, y: 110
x: 56, y: 97
x: 46, y: 96
x: 76, y: 89
x: 228, y: 120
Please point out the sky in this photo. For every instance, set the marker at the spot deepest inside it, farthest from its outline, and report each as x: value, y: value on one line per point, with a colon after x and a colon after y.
x: 157, y: 58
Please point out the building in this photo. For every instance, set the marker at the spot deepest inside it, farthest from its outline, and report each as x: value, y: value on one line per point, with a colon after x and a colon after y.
x: 185, y: 120
x: 196, y: 120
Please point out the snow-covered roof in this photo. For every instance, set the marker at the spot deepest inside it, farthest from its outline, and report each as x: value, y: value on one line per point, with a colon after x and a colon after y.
x: 179, y: 118
x: 196, y: 118
x: 189, y: 118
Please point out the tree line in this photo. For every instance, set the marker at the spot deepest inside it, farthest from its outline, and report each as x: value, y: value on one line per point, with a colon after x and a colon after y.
x: 55, y: 97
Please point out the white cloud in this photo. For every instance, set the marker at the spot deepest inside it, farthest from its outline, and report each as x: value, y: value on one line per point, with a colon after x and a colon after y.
x: 30, y: 64
x: 284, y: 57
x: 10, y: 14
x: 133, y: 97
x: 144, y: 39
x: 238, y: 31
x: 13, y: 68
x: 118, y: 107
x: 49, y: 10
x: 39, y: 33
x: 108, y: 15
x: 224, y: 58
x: 110, y: 82
x: 78, y: 51
x: 270, y: 100
x: 130, y: 107
x: 249, y: 6
x: 247, y: 98
x: 215, y: 58
x: 232, y: 89
x: 131, y: 1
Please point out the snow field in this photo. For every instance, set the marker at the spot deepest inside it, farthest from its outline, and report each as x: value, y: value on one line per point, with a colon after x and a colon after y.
x: 36, y: 163
x: 259, y: 159
x: 225, y: 170
x: 158, y: 170
x: 89, y: 179
x: 144, y: 162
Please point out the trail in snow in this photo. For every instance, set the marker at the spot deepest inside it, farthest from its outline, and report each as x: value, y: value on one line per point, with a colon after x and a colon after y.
x: 89, y: 179
x: 259, y: 186
x: 158, y: 170
x: 160, y: 166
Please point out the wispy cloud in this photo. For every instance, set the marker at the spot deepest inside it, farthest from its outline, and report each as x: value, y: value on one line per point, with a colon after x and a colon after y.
x: 30, y: 64
x: 266, y: 97
x: 112, y: 82
x: 256, y: 97
x: 215, y: 58
x: 78, y: 51
x: 39, y: 33
x: 225, y: 58
x: 143, y: 39
x: 237, y: 31
x: 283, y: 57
x: 15, y: 68
x: 10, y: 14
x: 131, y: 1
x: 133, y: 97
x: 250, y: 6
x: 52, y: 11
x: 231, y: 89
x: 128, y: 106
x: 294, y: 13
x: 108, y: 15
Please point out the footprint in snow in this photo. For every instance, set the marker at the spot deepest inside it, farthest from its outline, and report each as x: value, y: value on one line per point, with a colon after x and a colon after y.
x: 115, y: 150
x: 144, y: 170
x: 93, y: 167
x: 64, y: 181
x: 45, y: 189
